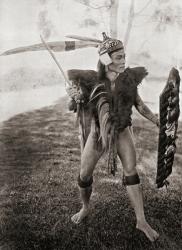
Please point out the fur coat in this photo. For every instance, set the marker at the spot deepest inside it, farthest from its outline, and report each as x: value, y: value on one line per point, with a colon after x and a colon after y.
x: 110, y: 109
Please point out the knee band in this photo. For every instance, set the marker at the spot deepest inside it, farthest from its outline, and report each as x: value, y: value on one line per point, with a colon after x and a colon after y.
x: 131, y: 180
x: 84, y: 184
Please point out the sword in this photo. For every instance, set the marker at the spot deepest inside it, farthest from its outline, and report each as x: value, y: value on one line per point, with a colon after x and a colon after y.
x: 62, y: 71
x: 55, y: 60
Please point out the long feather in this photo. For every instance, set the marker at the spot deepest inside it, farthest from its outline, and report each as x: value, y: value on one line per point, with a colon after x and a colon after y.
x: 104, y: 121
x: 100, y: 97
x: 96, y: 88
x: 58, y: 46
x: 97, y: 96
x: 84, y: 38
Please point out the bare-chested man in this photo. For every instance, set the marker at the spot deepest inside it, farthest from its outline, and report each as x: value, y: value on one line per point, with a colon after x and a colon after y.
x: 119, y: 86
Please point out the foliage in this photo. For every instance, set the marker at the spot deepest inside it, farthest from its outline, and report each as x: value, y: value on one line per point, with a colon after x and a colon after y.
x: 168, y: 14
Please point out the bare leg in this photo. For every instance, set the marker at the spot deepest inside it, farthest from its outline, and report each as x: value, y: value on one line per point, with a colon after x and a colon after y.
x: 89, y: 159
x: 126, y: 152
x: 85, y: 194
x: 135, y: 195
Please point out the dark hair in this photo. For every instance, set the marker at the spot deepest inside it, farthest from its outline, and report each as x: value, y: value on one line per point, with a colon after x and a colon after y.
x: 101, y: 72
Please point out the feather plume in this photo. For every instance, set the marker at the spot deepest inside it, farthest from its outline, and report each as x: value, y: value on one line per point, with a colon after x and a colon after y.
x: 58, y: 46
x: 100, y: 97
x: 96, y: 88
x: 84, y: 38
x: 104, y: 121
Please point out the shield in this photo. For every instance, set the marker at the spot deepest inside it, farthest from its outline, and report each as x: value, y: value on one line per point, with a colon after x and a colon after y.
x: 169, y: 114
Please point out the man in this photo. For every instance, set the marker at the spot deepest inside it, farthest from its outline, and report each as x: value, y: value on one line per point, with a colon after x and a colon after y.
x: 112, y: 98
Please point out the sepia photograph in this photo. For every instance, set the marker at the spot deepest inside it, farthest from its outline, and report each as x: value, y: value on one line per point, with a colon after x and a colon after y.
x: 90, y: 125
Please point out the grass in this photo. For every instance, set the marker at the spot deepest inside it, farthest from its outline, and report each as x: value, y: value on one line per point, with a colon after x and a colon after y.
x: 39, y: 163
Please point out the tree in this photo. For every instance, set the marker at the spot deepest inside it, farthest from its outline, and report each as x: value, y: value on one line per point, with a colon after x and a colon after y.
x: 131, y: 17
x: 114, y: 18
x: 130, y: 22
x: 105, y: 6
x: 167, y: 14
x: 112, y: 6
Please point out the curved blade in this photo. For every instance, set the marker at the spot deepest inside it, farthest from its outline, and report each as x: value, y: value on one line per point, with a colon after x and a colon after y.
x: 84, y: 38
x: 58, y: 46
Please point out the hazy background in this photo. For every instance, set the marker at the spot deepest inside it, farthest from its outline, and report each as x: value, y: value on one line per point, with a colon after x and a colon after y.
x: 154, y: 38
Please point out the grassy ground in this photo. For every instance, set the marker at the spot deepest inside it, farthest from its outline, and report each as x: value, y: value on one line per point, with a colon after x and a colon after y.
x: 39, y: 163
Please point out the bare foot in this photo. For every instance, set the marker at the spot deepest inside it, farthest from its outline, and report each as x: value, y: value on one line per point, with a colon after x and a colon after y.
x: 78, y: 217
x: 151, y: 234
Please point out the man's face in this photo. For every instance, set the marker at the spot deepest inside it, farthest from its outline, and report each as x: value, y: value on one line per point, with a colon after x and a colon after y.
x: 118, y: 61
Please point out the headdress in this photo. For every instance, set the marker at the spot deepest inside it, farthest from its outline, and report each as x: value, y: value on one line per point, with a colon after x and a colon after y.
x: 108, y: 46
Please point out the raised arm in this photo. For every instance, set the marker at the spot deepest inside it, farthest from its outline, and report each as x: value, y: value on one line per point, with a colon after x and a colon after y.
x: 145, y: 111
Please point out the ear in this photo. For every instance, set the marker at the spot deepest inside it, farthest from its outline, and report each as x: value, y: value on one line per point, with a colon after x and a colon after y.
x: 105, y: 59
